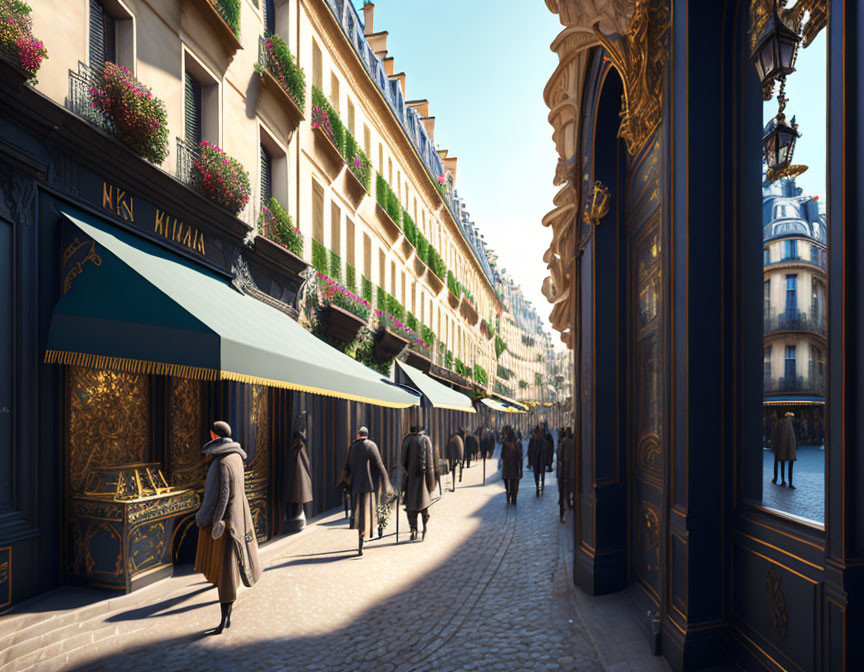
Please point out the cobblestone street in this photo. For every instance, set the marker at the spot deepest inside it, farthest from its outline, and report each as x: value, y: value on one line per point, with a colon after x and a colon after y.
x: 486, y: 590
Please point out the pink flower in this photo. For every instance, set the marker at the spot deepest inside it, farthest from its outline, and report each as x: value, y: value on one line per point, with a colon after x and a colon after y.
x: 442, y: 178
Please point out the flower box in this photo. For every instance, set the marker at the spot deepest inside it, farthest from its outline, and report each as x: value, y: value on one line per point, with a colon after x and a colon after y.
x: 452, y: 299
x: 468, y: 311
x: 340, y: 324
x: 418, y: 361
x: 271, y: 86
x: 218, y: 25
x: 435, y: 283
x: 388, y: 344
x: 420, y: 268
x: 406, y: 248
x: 354, y: 188
x: 332, y: 158
x: 391, y: 228
x: 13, y: 75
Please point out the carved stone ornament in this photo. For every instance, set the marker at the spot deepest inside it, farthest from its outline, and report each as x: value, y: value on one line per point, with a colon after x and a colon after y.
x: 634, y: 35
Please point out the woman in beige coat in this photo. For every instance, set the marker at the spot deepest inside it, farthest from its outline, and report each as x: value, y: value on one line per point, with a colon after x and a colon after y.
x: 227, y: 547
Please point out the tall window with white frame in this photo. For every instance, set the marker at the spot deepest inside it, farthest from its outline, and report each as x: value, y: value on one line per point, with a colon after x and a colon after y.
x: 794, y: 240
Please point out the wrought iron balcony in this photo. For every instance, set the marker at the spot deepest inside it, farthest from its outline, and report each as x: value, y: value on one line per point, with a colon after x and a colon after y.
x: 813, y: 385
x: 187, y: 154
x: 80, y: 98
x: 794, y: 321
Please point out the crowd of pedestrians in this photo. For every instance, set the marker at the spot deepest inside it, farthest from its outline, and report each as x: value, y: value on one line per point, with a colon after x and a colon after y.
x: 227, y: 546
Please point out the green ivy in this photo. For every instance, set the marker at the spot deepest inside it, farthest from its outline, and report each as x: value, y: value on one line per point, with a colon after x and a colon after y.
x: 411, y: 321
x: 335, y: 266
x: 319, y: 257
x: 538, y: 379
x: 448, y: 359
x: 344, y: 141
x: 350, y: 277
x: 388, y: 200
x: 523, y: 385
x: 500, y: 346
x: 229, y: 10
x: 366, y: 288
x: 480, y: 375
x: 274, y: 222
x: 427, y: 335
x: 279, y: 61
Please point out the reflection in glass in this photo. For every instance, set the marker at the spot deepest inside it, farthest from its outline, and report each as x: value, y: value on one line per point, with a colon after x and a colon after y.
x: 795, y: 318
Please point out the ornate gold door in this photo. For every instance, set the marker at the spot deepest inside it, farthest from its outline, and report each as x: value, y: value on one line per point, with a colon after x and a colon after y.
x: 258, y: 467
x: 646, y: 421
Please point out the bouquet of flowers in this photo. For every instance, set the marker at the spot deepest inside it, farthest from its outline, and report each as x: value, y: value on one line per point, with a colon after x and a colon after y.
x: 223, y: 178
x: 140, y: 120
x: 16, y: 38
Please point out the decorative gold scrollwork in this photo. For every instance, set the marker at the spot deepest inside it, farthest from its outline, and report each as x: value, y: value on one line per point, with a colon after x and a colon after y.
x: 652, y: 537
x: 779, y: 617
x: 597, y: 205
x: 640, y: 58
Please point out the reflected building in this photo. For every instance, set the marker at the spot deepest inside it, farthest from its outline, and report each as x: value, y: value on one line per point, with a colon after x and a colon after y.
x: 795, y: 264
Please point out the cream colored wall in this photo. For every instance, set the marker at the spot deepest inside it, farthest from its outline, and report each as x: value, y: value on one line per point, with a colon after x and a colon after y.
x: 804, y: 346
x: 804, y: 285
x: 170, y: 32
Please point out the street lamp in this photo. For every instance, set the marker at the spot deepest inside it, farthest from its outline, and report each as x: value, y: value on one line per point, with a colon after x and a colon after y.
x: 776, y: 48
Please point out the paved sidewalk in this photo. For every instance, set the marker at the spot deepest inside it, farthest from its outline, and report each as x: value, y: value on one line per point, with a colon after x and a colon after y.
x: 487, y: 590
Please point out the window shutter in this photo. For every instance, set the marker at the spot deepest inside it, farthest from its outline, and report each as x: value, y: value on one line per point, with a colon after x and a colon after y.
x: 269, y: 17
x: 266, y: 184
x: 97, y: 35
x: 317, y: 212
x: 192, y: 102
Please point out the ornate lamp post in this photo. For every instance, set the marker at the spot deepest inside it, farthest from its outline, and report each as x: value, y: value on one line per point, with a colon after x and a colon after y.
x: 776, y: 42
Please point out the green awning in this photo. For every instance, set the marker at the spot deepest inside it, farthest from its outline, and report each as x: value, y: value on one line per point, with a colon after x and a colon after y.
x: 496, y: 405
x: 436, y: 394
x: 137, y: 307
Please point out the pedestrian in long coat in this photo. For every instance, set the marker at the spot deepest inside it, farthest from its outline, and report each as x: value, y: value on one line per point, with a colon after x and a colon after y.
x: 785, y: 447
x: 227, y: 547
x: 454, y: 451
x: 418, y: 480
x: 511, y: 464
x: 566, y: 471
x: 487, y: 443
x: 365, y: 477
x: 297, y: 473
x: 472, y: 447
x: 539, y: 456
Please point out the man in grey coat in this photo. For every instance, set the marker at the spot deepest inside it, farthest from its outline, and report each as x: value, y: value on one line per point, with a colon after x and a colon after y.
x: 418, y: 480
x: 364, y: 476
x: 227, y: 547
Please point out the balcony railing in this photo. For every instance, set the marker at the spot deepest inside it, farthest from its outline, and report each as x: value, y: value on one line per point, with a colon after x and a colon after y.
x: 821, y: 261
x: 797, y: 321
x: 813, y: 385
x: 80, y: 99
x: 187, y: 154
x: 283, y: 79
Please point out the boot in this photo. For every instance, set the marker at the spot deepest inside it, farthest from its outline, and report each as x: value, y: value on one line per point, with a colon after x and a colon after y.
x: 360, y: 545
x: 226, y: 619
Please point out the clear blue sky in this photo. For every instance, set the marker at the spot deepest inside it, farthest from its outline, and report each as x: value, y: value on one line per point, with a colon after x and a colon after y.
x: 482, y: 64
x: 807, y: 91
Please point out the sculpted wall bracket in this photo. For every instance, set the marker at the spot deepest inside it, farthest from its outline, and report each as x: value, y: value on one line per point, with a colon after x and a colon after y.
x: 640, y: 56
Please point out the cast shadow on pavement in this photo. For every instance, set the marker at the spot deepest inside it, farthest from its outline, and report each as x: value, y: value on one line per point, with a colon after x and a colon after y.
x: 152, y: 610
x: 478, y: 587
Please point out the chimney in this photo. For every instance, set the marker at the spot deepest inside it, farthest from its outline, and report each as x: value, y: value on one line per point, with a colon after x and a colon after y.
x: 388, y: 66
x: 368, y: 15
x: 429, y: 125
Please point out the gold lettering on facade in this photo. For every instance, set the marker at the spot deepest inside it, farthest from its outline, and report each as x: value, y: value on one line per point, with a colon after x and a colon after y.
x: 178, y: 231
x: 116, y: 201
